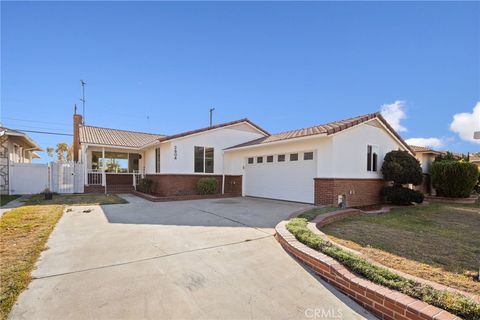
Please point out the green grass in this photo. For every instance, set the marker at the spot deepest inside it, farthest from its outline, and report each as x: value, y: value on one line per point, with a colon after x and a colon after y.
x: 23, y: 234
x: 452, y: 302
x: 313, y: 213
x: 77, y: 199
x: 438, y: 242
x: 4, y: 199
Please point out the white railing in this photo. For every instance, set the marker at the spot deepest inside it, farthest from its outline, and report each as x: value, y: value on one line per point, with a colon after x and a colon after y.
x: 95, y: 178
x: 136, y: 179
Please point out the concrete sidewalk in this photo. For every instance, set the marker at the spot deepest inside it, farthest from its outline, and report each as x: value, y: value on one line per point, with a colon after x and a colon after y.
x: 13, y: 204
x: 204, y: 259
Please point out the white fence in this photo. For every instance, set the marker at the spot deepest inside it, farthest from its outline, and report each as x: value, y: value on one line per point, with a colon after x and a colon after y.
x: 27, y: 178
x: 60, y: 177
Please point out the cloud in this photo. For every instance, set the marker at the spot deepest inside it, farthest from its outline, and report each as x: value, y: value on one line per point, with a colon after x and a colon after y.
x: 465, y: 124
x: 426, y: 142
x: 394, y: 113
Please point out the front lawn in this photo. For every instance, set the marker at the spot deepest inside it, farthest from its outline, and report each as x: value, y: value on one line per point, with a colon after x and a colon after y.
x: 78, y: 199
x: 23, y: 234
x: 313, y: 213
x: 4, y: 199
x: 438, y: 242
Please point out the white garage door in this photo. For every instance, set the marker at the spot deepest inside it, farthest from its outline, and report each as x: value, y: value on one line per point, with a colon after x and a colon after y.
x: 285, y: 180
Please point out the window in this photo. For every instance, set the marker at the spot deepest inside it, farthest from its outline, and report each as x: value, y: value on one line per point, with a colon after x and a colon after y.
x: 269, y: 158
x: 157, y: 160
x: 118, y: 162
x: 203, y: 160
x: 293, y: 156
x: 372, y: 158
x: 250, y: 160
x: 308, y: 156
x: 259, y: 159
x: 281, y: 158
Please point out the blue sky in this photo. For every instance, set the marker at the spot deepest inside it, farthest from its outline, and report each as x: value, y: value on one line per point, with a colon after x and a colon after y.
x: 159, y: 66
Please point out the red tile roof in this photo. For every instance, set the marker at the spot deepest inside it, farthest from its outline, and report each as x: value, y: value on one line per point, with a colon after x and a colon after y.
x: 324, y: 129
x: 226, y: 124
x: 418, y: 149
x: 115, y: 137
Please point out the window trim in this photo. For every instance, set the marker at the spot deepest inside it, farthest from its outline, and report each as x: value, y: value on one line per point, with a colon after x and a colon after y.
x: 284, y: 157
x: 290, y: 157
x: 259, y: 157
x: 308, y: 152
x: 204, y: 159
x: 370, y: 158
x: 270, y: 157
x: 252, y: 160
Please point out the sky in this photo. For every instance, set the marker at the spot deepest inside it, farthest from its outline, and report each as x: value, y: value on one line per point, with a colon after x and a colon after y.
x: 159, y: 66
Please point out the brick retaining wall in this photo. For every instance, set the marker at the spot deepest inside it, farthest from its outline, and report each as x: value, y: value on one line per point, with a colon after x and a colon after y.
x: 358, y: 192
x: 381, y: 301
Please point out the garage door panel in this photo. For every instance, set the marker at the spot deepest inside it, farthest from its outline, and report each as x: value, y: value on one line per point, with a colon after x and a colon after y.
x: 290, y: 180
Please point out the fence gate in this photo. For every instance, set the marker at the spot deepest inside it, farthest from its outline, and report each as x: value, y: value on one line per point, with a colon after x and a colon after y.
x: 66, y: 177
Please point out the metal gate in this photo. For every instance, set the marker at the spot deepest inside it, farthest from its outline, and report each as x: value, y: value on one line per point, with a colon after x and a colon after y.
x: 67, y: 177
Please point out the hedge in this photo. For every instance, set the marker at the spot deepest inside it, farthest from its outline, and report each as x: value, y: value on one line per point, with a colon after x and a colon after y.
x: 207, y: 185
x: 455, y: 303
x: 454, y: 179
x: 402, y: 196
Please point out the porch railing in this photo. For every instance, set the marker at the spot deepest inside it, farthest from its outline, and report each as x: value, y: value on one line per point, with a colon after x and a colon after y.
x: 95, y: 178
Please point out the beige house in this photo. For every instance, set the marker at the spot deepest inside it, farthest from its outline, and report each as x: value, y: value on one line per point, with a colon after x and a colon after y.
x: 15, y: 147
x: 425, y: 156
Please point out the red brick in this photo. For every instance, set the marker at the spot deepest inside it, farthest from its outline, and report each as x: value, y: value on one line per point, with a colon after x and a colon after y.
x: 383, y: 310
x: 394, y: 307
x: 366, y: 191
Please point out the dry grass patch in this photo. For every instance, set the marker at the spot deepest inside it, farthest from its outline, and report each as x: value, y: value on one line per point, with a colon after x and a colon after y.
x: 23, y: 234
x: 438, y: 242
x: 78, y: 199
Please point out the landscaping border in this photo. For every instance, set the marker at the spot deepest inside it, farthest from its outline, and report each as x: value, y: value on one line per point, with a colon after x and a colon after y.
x: 381, y: 301
x: 154, y: 198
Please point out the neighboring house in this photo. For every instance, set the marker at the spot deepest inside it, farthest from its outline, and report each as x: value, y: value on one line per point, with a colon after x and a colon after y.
x: 473, y: 158
x: 15, y: 147
x: 425, y: 156
x: 319, y: 164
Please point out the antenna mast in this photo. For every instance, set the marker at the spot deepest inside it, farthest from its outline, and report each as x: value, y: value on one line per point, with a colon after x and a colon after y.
x: 211, y: 112
x: 83, y: 99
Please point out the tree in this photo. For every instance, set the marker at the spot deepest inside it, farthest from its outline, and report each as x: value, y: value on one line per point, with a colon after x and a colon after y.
x: 401, y: 168
x: 50, y: 151
x: 62, y: 147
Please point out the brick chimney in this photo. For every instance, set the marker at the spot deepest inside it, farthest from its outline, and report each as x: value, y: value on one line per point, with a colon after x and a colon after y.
x: 77, y: 122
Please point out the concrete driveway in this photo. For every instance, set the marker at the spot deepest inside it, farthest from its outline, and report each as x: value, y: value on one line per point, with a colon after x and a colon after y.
x: 204, y: 259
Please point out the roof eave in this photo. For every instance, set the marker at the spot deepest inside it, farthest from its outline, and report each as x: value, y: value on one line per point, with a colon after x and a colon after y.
x: 258, y: 145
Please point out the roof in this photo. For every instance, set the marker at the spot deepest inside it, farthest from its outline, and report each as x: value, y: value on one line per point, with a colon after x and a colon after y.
x: 11, y: 132
x: 323, y: 129
x: 474, y: 158
x: 222, y: 125
x: 115, y: 137
x: 418, y: 149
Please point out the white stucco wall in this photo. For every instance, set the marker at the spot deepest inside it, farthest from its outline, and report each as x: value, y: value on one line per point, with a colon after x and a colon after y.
x: 350, y: 151
x: 183, y: 160
x: 425, y: 160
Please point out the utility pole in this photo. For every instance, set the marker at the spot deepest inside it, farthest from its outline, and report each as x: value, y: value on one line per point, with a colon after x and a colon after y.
x: 83, y: 99
x: 211, y: 113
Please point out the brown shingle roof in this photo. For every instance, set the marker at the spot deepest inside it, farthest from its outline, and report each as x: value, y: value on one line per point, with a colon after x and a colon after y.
x: 226, y: 124
x: 423, y: 149
x: 115, y: 137
x: 326, y: 129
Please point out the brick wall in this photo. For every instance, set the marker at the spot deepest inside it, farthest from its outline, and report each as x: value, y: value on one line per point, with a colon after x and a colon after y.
x: 169, y: 185
x: 358, y: 192
x: 77, y: 121
x: 114, y: 179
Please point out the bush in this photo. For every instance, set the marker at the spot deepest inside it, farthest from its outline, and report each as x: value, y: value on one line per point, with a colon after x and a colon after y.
x: 145, y: 185
x: 207, y: 185
x: 454, y: 179
x: 401, y: 196
x: 401, y: 168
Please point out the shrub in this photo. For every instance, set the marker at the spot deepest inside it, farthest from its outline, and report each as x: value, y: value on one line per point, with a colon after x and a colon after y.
x: 401, y: 168
x: 145, y: 185
x: 454, y: 179
x: 207, y: 185
x: 401, y: 196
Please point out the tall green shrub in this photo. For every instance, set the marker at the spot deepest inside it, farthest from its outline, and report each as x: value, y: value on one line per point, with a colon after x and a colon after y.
x: 401, y: 168
x: 454, y: 179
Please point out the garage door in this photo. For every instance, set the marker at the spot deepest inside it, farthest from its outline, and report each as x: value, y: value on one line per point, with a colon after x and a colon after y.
x: 281, y: 176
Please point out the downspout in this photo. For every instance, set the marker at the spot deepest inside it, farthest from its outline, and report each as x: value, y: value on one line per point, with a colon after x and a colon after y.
x: 223, y: 172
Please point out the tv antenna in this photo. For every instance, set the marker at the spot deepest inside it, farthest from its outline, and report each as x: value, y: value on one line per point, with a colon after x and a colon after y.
x: 211, y: 114
x: 83, y: 99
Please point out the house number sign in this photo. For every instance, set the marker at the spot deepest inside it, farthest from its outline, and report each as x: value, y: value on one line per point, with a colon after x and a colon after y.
x: 175, y: 152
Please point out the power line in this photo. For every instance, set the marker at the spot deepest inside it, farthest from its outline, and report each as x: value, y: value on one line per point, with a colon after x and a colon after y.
x: 32, y: 127
x: 45, y: 132
x: 46, y: 122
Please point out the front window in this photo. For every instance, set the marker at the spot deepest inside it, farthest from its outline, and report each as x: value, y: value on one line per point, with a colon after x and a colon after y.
x: 308, y: 156
x: 372, y: 158
x: 157, y: 160
x: 281, y: 158
x: 269, y: 158
x: 117, y: 162
x: 203, y: 160
x: 259, y: 159
x: 250, y: 160
x: 294, y: 157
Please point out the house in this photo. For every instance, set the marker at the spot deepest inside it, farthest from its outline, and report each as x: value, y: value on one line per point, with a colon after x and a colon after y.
x: 323, y: 164
x: 425, y: 156
x: 15, y: 147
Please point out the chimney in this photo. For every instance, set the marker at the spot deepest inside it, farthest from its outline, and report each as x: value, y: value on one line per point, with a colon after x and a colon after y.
x: 77, y: 121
